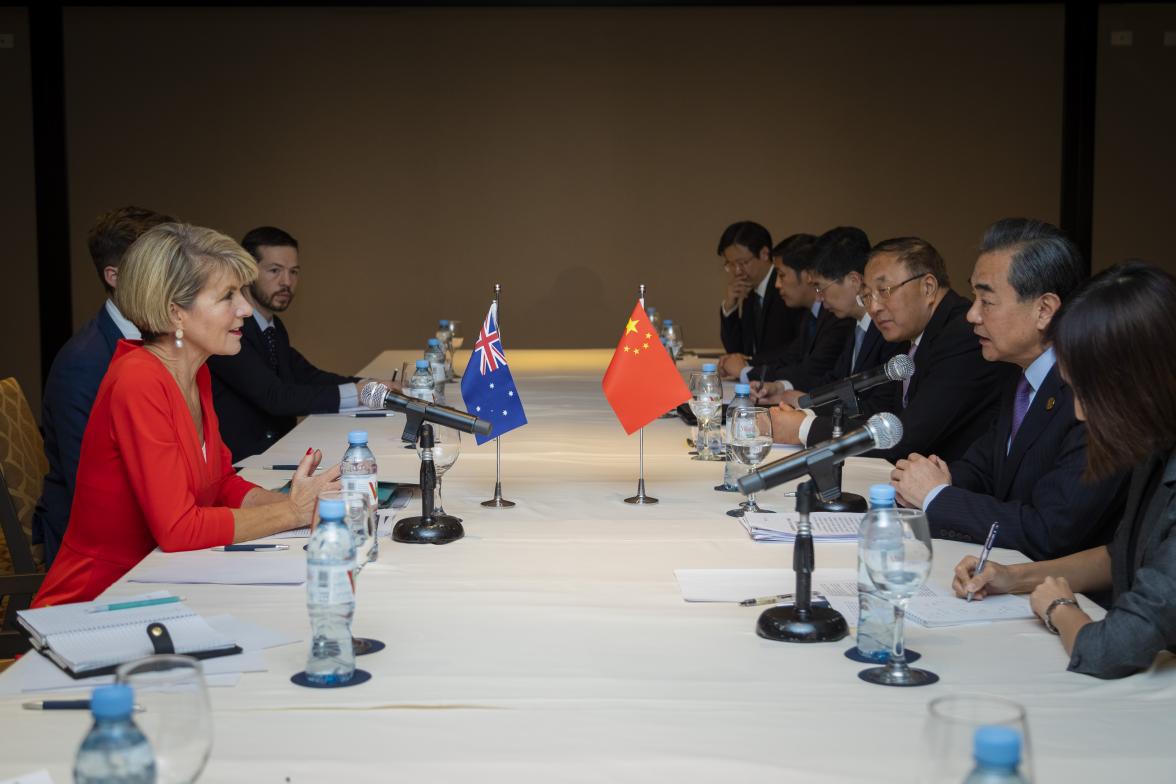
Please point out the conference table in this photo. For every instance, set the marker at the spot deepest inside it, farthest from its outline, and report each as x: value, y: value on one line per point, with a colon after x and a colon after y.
x: 553, y: 644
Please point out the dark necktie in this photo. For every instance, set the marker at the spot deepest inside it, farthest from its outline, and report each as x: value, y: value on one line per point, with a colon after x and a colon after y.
x: 271, y: 347
x: 859, y: 335
x: 757, y: 318
x: 1020, y: 406
x: 810, y: 330
x: 906, y: 382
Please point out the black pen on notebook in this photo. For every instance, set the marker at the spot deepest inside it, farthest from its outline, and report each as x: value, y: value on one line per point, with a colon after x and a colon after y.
x: 984, y: 555
x: 49, y: 705
x: 249, y: 548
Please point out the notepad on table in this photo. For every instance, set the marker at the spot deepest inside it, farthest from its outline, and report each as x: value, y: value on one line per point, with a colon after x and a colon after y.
x: 85, y: 643
x: 934, y: 606
x: 781, y: 527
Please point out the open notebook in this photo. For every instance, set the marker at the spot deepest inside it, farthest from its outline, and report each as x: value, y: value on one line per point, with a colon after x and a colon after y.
x: 85, y: 643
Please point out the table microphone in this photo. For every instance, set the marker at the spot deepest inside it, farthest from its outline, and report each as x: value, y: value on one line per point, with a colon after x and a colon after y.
x: 881, y: 431
x: 379, y: 397
x: 898, y: 368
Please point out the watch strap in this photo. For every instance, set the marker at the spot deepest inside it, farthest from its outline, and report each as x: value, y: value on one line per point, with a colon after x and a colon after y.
x: 1056, y: 603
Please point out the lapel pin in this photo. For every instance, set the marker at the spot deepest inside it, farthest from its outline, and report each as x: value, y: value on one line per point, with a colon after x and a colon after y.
x: 1049, y: 404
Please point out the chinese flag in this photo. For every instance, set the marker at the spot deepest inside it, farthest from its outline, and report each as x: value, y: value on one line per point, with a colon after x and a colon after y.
x: 641, y: 382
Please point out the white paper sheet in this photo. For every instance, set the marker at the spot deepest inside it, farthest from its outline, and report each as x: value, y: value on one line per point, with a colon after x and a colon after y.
x: 934, y: 605
x: 36, y: 777
x: 781, y: 527
x: 232, y: 568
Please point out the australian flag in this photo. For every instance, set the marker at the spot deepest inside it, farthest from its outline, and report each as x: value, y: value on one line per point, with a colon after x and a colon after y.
x: 487, y: 387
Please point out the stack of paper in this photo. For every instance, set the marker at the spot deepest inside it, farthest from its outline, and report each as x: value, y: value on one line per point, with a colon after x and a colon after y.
x: 934, y: 606
x: 781, y: 527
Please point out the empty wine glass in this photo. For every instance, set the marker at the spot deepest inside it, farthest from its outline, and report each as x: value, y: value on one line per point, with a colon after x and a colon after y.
x: 359, y: 516
x: 176, y: 717
x: 671, y: 335
x: 895, y: 546
x: 446, y: 448
x: 455, y: 342
x: 749, y: 440
x: 706, y: 404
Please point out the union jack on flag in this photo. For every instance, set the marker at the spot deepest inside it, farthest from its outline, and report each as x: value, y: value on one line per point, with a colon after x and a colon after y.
x: 487, y: 386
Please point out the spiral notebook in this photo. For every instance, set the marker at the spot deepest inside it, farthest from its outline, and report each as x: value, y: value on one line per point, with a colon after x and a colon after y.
x: 85, y: 643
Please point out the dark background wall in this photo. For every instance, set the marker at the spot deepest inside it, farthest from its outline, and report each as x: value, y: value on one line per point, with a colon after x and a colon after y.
x: 420, y: 155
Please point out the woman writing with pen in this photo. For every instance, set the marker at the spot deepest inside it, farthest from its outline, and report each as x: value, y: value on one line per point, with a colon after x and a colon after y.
x: 1114, y: 343
x: 153, y: 470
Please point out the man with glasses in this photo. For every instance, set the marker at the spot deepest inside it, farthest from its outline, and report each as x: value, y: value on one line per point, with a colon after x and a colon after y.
x: 1026, y: 471
x: 815, y: 349
x: 953, y: 395
x: 837, y: 280
x: 755, y: 325
x: 260, y: 391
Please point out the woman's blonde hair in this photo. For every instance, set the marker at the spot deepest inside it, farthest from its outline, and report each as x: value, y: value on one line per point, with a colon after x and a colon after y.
x: 171, y: 263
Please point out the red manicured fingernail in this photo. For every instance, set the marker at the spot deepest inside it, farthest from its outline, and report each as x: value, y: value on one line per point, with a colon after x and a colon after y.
x: 308, y: 451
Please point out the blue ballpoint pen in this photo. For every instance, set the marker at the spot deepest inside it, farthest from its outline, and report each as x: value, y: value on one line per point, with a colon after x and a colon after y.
x: 131, y: 605
x: 984, y: 554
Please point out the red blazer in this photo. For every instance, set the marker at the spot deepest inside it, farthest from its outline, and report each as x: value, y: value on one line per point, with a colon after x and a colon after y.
x: 142, y: 480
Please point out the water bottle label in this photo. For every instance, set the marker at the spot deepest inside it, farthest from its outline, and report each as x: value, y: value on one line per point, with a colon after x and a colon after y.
x: 362, y: 483
x: 330, y: 585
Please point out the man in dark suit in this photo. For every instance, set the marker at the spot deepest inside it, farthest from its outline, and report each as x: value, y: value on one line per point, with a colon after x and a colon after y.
x: 837, y: 279
x: 260, y: 391
x: 952, y: 397
x: 822, y: 335
x: 1026, y: 472
x: 754, y: 324
x: 77, y: 372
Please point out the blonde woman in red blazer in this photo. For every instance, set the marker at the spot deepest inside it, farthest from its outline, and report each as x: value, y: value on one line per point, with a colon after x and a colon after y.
x: 153, y: 470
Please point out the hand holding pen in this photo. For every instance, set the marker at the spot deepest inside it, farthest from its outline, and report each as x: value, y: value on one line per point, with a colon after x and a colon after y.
x: 983, y: 556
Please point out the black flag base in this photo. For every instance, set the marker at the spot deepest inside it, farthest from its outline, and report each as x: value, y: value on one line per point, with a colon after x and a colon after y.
x: 436, y: 529
x: 788, y: 624
x: 846, y: 502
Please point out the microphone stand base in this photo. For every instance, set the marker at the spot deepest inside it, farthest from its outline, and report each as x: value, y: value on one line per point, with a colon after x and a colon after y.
x: 439, y: 529
x: 498, y: 502
x: 642, y: 499
x: 823, y: 624
x: 846, y: 502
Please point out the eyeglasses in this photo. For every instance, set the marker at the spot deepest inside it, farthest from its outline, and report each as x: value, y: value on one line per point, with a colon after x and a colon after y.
x: 883, y: 294
x: 822, y: 289
x: 730, y: 266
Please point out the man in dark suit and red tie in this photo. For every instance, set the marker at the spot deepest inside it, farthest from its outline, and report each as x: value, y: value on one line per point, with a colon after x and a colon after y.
x: 260, y: 392
x: 1026, y: 472
x: 755, y: 324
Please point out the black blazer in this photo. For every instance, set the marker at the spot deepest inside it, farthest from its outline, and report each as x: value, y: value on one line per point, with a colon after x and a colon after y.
x: 1036, y: 491
x: 255, y: 406
x: 812, y: 353
x: 74, y: 378
x: 781, y: 326
x: 953, y: 395
x: 875, y: 351
x: 1142, y: 618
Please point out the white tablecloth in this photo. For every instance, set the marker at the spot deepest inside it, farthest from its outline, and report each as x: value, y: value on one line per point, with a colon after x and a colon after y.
x: 551, y: 643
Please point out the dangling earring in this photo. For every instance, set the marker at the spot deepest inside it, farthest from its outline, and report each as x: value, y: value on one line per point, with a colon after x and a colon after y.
x: 179, y: 338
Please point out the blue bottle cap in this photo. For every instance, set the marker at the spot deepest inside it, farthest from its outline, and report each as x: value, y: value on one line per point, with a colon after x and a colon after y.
x: 667, y: 322
x: 434, y: 342
x: 422, y: 364
x: 881, y: 494
x: 115, y: 701
x: 743, y: 389
x: 444, y: 322
x: 357, y: 437
x: 709, y: 367
x: 331, y: 509
x: 997, y: 746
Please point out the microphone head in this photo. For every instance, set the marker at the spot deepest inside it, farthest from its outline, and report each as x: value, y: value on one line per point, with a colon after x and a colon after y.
x: 483, y: 426
x: 900, y: 367
x: 372, y: 395
x: 885, y: 429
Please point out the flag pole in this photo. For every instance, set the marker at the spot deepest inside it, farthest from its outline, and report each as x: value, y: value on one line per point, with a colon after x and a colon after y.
x: 498, y: 502
x: 641, y: 497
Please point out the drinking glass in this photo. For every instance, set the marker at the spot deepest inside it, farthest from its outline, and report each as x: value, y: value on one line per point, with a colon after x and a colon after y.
x: 672, y: 337
x: 895, y: 546
x: 706, y: 404
x: 176, y: 717
x: 446, y: 448
x: 359, y: 515
x: 455, y: 342
x: 749, y: 440
x: 949, y: 728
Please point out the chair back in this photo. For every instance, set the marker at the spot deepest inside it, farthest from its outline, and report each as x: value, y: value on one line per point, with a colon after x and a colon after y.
x: 22, y: 470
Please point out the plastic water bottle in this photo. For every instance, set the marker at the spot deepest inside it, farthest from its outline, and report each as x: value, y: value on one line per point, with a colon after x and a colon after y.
x: 997, y: 751
x: 733, y: 468
x: 360, y: 475
x: 875, y: 629
x: 435, y: 354
x: 445, y: 335
x: 654, y: 319
x: 421, y: 385
x: 115, y: 751
x: 330, y: 597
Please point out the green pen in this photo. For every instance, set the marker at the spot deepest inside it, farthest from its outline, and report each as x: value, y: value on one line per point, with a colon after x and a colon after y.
x: 133, y: 605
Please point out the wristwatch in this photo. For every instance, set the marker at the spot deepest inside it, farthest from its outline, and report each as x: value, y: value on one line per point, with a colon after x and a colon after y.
x: 1056, y: 603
